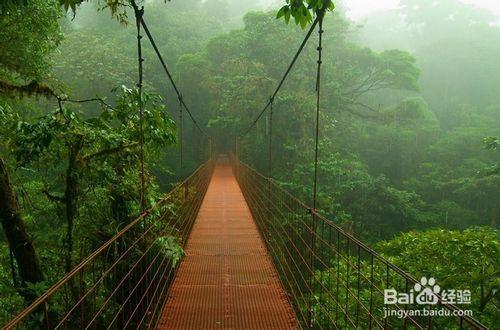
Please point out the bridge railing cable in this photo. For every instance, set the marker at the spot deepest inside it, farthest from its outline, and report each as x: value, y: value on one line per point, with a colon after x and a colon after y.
x: 124, y: 283
x: 344, y: 285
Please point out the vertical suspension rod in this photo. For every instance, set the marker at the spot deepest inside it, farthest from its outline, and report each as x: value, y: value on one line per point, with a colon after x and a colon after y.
x: 138, y: 17
x: 270, y: 170
x: 181, y: 128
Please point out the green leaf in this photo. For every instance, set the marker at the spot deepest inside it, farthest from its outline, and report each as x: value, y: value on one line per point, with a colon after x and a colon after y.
x: 282, y: 12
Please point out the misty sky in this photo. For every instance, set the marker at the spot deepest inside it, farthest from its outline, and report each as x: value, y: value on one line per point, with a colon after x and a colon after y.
x: 361, y: 8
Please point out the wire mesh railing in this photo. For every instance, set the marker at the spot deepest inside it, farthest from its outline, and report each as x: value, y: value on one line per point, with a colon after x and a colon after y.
x: 333, y: 280
x: 124, y: 283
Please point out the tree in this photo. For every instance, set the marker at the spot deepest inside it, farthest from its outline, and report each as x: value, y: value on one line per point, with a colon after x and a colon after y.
x: 493, y: 143
x: 24, y: 55
x: 358, y: 74
x: 471, y: 256
x: 20, y: 243
x: 90, y: 149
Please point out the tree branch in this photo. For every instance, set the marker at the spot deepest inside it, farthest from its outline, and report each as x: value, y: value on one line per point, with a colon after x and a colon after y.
x: 366, y: 106
x: 109, y: 151
x: 95, y: 99
x: 33, y: 88
x: 363, y: 116
x: 52, y: 197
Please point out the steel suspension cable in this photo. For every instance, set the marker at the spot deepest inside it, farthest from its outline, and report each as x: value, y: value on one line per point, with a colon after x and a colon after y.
x: 287, y: 72
x: 169, y: 75
x: 320, y: 16
x: 138, y: 17
x: 318, y: 99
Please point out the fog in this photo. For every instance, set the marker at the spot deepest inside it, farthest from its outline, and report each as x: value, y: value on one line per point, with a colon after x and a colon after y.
x: 405, y: 153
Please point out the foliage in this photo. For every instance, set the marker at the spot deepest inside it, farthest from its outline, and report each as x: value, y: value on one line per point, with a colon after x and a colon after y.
x: 114, y: 128
x: 302, y: 10
x: 170, y: 248
x: 86, y: 172
x: 400, y: 126
x: 471, y: 256
x: 25, y: 51
x: 117, y: 7
x: 491, y: 143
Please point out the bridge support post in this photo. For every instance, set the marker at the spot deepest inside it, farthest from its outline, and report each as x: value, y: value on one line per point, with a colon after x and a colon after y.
x: 320, y: 15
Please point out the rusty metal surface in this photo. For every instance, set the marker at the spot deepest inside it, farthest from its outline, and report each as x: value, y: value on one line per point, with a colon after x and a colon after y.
x: 227, y: 280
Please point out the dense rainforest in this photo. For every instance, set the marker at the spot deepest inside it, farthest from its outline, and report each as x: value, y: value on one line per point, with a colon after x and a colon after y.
x: 409, y: 133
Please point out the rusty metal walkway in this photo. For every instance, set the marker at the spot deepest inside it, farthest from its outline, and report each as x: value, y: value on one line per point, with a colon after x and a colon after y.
x: 227, y: 280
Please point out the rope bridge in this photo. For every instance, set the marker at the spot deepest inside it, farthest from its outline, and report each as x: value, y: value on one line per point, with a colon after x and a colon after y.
x: 328, y: 278
x: 307, y: 272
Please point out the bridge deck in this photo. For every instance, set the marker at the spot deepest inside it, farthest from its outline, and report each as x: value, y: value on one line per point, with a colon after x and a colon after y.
x: 227, y: 280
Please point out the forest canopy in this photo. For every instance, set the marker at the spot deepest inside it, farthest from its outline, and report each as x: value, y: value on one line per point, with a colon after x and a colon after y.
x: 409, y: 126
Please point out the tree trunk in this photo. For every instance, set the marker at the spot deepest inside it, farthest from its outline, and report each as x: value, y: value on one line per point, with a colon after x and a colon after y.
x: 15, y: 231
x: 119, y: 202
x: 71, y: 197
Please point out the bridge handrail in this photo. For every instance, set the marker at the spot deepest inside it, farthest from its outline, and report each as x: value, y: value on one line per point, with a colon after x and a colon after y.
x: 64, y: 280
x: 332, y: 224
x: 276, y: 186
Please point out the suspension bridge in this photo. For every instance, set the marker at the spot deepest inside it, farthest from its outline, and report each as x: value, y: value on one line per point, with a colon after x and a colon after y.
x: 255, y: 257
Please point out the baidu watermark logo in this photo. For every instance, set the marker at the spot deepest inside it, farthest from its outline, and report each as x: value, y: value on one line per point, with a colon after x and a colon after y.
x: 426, y: 293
